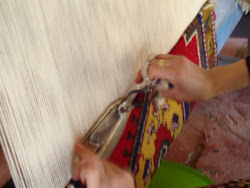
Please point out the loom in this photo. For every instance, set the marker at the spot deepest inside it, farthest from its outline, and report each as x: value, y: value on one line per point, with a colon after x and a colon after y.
x: 62, y: 63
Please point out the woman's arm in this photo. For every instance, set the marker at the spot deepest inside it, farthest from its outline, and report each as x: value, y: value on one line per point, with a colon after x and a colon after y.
x: 228, y: 78
x: 192, y: 83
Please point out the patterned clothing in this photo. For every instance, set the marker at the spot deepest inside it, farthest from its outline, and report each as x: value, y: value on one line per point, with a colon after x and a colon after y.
x: 243, y: 183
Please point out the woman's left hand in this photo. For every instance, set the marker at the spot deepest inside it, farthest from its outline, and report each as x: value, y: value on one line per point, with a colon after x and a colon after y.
x: 96, y: 173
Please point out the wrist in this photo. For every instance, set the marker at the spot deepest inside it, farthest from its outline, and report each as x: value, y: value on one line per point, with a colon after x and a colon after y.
x: 210, y: 84
x: 117, y: 177
x: 227, y: 78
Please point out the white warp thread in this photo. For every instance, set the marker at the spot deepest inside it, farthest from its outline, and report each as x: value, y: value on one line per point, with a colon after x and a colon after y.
x: 62, y: 63
x: 144, y: 70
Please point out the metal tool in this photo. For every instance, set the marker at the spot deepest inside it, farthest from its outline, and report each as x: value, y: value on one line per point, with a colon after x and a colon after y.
x: 114, y: 117
x: 128, y: 103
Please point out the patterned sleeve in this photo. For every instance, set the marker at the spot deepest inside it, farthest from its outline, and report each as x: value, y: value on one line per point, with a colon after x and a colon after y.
x: 243, y: 183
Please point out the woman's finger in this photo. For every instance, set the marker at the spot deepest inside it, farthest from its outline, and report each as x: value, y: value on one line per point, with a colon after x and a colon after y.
x: 156, y: 68
x: 167, y: 63
x: 160, y: 73
x: 156, y: 72
x: 76, y: 174
x: 81, y: 150
x: 170, y: 94
x: 164, y: 56
x: 90, y: 176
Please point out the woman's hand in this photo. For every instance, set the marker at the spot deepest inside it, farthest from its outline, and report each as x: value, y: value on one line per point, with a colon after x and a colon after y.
x: 191, y: 83
x: 96, y: 173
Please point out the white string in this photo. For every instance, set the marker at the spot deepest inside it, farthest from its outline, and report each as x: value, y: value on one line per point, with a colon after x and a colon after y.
x: 62, y: 63
x: 160, y: 85
x: 144, y: 70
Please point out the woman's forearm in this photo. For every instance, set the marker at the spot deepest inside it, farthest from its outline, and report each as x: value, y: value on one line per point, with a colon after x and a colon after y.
x: 228, y: 78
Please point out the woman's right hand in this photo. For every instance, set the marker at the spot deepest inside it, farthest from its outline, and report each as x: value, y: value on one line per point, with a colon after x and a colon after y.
x: 191, y: 83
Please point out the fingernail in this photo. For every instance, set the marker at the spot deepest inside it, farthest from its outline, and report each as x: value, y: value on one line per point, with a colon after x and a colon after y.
x: 74, y: 177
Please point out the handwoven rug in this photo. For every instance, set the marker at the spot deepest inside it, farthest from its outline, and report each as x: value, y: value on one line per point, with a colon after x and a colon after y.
x: 150, y: 131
